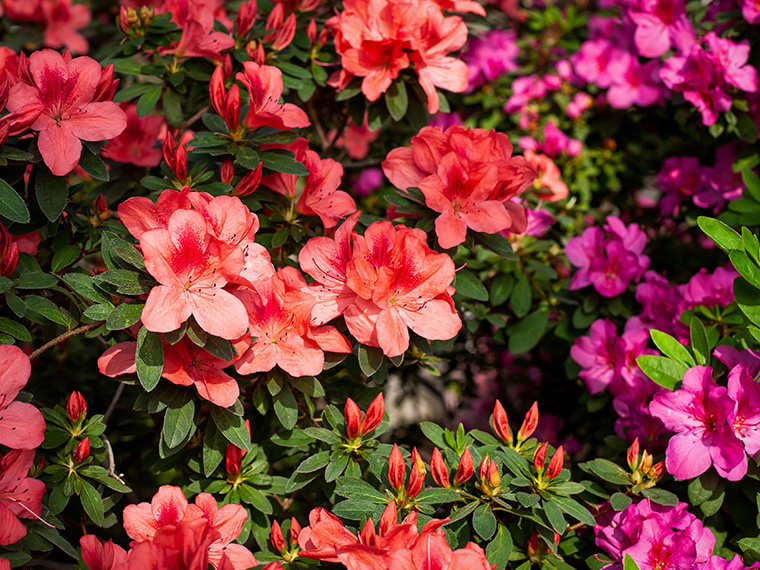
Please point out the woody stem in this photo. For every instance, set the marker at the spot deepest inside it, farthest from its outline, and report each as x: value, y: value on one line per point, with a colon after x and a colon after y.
x: 64, y: 336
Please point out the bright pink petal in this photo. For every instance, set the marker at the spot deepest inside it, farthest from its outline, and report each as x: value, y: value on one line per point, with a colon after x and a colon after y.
x: 14, y: 373
x: 21, y: 426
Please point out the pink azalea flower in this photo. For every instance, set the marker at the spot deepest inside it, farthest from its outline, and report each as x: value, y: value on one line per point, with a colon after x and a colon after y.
x: 63, y: 92
x: 264, y: 84
x: 709, y: 289
x: 63, y: 22
x: 731, y: 357
x: 719, y: 183
x: 635, y: 84
x: 20, y: 496
x: 21, y: 425
x: 744, y: 419
x: 491, y: 56
x: 699, y: 412
x: 660, y: 24
x: 137, y: 143
x: 599, y: 355
x: 679, y: 178
x: 593, y: 60
x: 659, y: 301
x: 99, y: 555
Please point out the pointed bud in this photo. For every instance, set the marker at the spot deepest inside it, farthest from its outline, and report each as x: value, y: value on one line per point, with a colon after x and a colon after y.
x: 389, y: 519
x: 311, y: 31
x: 438, y: 469
x: 285, y: 34
x: 324, y: 36
x: 82, y: 450
x: 277, y: 538
x: 260, y: 56
x: 76, y: 407
x: 530, y: 423
x: 483, y: 468
x: 396, y: 468
x: 465, y: 469
x: 555, y: 465
x: 501, y: 423
x: 245, y: 18
x: 353, y: 417
x: 167, y: 148
x: 367, y: 534
x: 295, y: 530
x: 374, y: 415
x: 646, y: 462
x: 539, y: 457
x: 217, y: 92
x: 276, y: 17
x: 124, y: 20
x: 232, y: 109
x: 416, y: 475
x: 533, y: 544
x: 490, y: 480
x: 228, y: 171
x: 8, y: 252
x: 249, y: 182
x: 233, y: 458
x: 657, y: 470
x: 632, y: 457
x: 106, y: 87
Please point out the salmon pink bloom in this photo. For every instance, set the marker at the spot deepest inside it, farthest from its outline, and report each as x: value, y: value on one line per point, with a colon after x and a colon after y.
x: 21, y: 425
x: 699, y: 413
x: 192, y: 268
x: 137, y: 143
x: 548, y: 185
x: 63, y: 91
x: 63, y: 22
x: 101, y: 555
x: 279, y: 317
x: 20, y: 496
x: 401, y: 284
x: 264, y: 84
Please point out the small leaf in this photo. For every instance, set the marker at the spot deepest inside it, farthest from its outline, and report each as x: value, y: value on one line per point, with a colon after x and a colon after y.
x: 149, y: 358
x: 93, y: 165
x: 484, y: 522
x: 282, y: 163
x: 672, y: 348
x: 124, y: 316
x: 172, y: 109
x: 699, y: 341
x: 629, y: 563
x: 232, y: 427
x: 12, y: 206
x: 397, y: 100
x: 496, y: 243
x: 500, y: 548
x: 92, y: 503
x: 528, y: 332
x: 178, y: 421
x: 467, y: 285
x: 52, y: 193
x: 664, y: 371
x: 521, y: 296
x: 64, y: 257
x: 148, y: 100
x: 286, y: 408
x: 370, y: 359
x: 725, y: 237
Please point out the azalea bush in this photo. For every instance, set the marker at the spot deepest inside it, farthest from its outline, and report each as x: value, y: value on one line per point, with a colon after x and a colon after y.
x: 387, y: 284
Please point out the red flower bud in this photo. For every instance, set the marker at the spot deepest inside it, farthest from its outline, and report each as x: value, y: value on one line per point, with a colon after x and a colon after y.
x: 5, y: 130
x: 233, y: 458
x: 374, y: 415
x: 8, y: 252
x: 82, y: 450
x: 275, y: 18
x: 529, y: 423
x: 124, y: 20
x: 217, y: 92
x: 106, y: 87
x: 417, y: 475
x: 539, y: 457
x: 228, y: 171
x: 285, y: 34
x: 501, y: 423
x: 180, y: 167
x: 353, y: 417
x: 311, y: 31
x: 4, y: 92
x: 533, y: 544
x: 555, y: 465
x: 231, y: 113
x: 657, y: 470
x: 438, y: 469
x: 396, y: 468
x: 277, y: 538
x: 465, y: 469
x: 489, y: 476
x: 76, y: 407
x: 245, y: 18
x: 632, y: 457
x: 249, y: 182
x: 295, y: 530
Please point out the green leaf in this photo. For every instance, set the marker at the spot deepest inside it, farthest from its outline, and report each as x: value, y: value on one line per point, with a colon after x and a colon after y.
x: 172, y: 108
x: 52, y: 193
x: 282, y: 163
x: 54, y: 537
x: 746, y: 267
x: 93, y: 165
x: 148, y: 100
x: 352, y: 509
x: 629, y: 563
x: 92, y: 503
x: 214, y: 447
x: 126, y: 282
x: 247, y: 158
x: 149, y: 359
x: 606, y: 470
x: 98, y: 312
x: 664, y: 371
x: 555, y: 517
x: 132, y: 91
x: 47, y: 309
x: 619, y: 501
x: 220, y: 347
x: 296, y: 438
x: 467, y: 285
x: 314, y: 463
x: 521, y: 296
x: 484, y: 521
x: 255, y: 498
x: 84, y: 285
x: 436, y: 496
x: 699, y: 341
x: 575, y: 510
x: 528, y: 332
x: 286, y: 408
x: 12, y: 206
x: 748, y: 299
x: 16, y: 330
x: 370, y: 359
x: 672, y: 348
x: 501, y: 289
x: 336, y: 467
x: 397, y: 100
x: 725, y: 237
x: 178, y: 421
x: 499, y: 549
x: 34, y: 280
x: 496, y: 243
x: 124, y: 316
x: 64, y: 257
x: 751, y: 549
x: 661, y: 497
x: 232, y: 427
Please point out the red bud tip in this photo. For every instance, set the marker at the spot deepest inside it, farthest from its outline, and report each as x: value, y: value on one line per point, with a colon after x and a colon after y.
x: 233, y: 458
x: 483, y: 467
x: 295, y: 530
x: 76, y: 407
x: 438, y: 469
x: 465, y: 469
x: 501, y: 423
x: 250, y: 181
x: 8, y: 252
x: 658, y: 470
x: 277, y: 538
x: 529, y: 423
x: 374, y: 415
x: 82, y: 450
x: 533, y: 544
x: 285, y: 34
x: 555, y: 465
x: 396, y: 468
x: 353, y: 417
x: 539, y: 457
x: 632, y: 456
x: 311, y: 31
x: 276, y: 17
x: 417, y: 475
x: 216, y: 91
x: 228, y: 171
x: 232, y: 109
x: 245, y: 18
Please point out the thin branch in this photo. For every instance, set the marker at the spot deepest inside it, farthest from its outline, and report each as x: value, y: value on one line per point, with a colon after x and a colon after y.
x: 363, y: 163
x: 195, y: 117
x: 113, y: 403
x: 338, y: 133
x: 324, y: 143
x: 111, y: 462
x: 64, y: 336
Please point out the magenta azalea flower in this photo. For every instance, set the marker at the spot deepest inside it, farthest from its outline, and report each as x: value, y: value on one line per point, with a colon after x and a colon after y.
x: 744, y: 419
x: 699, y: 413
x: 64, y: 90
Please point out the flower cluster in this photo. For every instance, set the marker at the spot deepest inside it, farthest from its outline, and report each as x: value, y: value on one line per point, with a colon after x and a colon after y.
x: 377, y: 41
x: 468, y: 176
